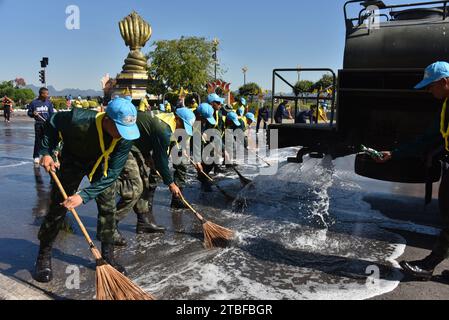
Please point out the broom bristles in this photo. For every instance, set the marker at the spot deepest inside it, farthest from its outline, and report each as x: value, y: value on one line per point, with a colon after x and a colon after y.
x: 112, y: 285
x: 216, y: 236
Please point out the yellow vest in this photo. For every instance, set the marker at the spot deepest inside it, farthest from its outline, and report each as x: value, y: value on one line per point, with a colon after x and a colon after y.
x: 168, y: 118
x: 143, y: 106
x: 444, y: 131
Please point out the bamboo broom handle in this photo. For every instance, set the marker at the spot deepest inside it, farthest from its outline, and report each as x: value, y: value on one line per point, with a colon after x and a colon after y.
x: 199, y: 216
x: 227, y: 195
x: 260, y: 158
x: 266, y: 162
x: 77, y: 218
x: 202, y: 172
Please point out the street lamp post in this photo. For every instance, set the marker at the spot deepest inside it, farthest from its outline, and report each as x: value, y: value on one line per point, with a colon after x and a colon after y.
x: 216, y: 43
x: 245, y: 70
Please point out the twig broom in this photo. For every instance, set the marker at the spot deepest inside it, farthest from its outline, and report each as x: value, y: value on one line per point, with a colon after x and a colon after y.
x: 110, y: 284
x: 215, y: 236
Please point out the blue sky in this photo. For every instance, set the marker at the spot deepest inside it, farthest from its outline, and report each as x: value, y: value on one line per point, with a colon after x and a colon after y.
x: 261, y: 35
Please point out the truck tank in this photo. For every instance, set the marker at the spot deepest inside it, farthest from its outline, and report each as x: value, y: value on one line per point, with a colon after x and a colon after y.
x: 376, y: 104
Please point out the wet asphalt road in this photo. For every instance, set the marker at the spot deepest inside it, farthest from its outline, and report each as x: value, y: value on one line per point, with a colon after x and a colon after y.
x: 314, y: 231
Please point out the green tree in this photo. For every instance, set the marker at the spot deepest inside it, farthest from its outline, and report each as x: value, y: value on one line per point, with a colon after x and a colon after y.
x: 187, y: 62
x: 325, y: 82
x: 250, y: 90
x: 23, y: 96
x: 7, y: 89
x: 303, y: 86
x: 20, y: 96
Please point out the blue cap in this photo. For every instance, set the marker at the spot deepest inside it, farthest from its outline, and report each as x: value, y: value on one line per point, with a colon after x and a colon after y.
x: 162, y: 107
x: 124, y: 114
x: 434, y: 73
x: 251, y: 117
x: 243, y: 101
x: 207, y: 112
x: 214, y: 98
x: 234, y: 118
x: 241, y: 111
x: 188, y: 117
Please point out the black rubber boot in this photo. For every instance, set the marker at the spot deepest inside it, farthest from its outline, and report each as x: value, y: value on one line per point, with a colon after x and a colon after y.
x: 176, y: 203
x: 107, y: 252
x: 206, y: 186
x: 119, y: 239
x: 43, y: 271
x: 144, y: 225
x: 422, y: 270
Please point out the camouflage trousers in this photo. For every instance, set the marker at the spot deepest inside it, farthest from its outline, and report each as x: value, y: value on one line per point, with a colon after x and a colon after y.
x: 135, y: 189
x: 71, y: 175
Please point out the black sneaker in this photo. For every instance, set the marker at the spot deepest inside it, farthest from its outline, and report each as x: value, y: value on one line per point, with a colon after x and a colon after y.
x: 418, y: 270
x: 423, y: 269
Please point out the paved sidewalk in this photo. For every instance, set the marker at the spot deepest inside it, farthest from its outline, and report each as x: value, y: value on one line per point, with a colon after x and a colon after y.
x: 11, y: 289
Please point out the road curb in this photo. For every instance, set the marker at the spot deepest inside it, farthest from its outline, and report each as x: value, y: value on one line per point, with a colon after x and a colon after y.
x: 11, y: 289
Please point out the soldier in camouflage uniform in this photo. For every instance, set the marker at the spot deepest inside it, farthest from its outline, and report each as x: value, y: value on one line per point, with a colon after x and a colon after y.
x: 137, y: 184
x: 86, y: 135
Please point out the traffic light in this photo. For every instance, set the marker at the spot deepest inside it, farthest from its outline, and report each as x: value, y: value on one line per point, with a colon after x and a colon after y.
x: 44, y: 62
x: 42, y: 76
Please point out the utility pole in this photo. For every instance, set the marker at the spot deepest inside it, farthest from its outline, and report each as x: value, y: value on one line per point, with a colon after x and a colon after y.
x: 245, y: 70
x: 216, y: 43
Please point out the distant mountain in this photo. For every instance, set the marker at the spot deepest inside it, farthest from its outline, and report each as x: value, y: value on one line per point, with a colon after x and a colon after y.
x: 74, y: 92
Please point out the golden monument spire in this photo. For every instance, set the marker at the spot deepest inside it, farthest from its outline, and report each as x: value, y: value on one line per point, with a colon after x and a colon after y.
x: 136, y: 32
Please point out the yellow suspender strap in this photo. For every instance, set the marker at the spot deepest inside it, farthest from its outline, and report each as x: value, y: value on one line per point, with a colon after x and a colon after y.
x: 105, y: 153
x: 444, y: 130
x: 216, y: 120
